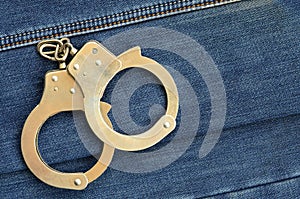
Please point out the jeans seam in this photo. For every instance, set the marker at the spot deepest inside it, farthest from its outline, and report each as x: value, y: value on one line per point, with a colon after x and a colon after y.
x: 251, y: 187
x: 107, y: 22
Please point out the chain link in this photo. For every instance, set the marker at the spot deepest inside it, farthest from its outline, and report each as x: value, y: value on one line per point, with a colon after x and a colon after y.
x: 57, y: 50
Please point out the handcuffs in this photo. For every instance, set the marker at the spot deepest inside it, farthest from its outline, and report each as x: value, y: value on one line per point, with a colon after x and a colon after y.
x: 80, y: 86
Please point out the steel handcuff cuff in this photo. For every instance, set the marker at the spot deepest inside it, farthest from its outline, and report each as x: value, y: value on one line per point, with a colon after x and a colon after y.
x: 80, y: 86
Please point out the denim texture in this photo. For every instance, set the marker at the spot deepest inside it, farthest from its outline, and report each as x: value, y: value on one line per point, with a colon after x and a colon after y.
x: 76, y: 17
x: 255, y: 45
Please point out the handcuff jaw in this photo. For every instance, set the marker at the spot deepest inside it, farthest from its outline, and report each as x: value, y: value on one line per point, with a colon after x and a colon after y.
x: 85, y: 80
x: 93, y: 67
x: 59, y: 92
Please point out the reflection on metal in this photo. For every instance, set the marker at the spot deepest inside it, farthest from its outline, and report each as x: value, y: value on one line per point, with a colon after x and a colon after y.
x: 80, y: 86
x: 53, y: 102
x: 93, y: 86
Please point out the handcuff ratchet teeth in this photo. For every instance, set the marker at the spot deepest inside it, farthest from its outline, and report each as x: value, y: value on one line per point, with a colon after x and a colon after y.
x: 80, y: 86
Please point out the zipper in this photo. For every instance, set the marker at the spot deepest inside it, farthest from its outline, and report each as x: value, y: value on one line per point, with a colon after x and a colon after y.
x: 107, y: 22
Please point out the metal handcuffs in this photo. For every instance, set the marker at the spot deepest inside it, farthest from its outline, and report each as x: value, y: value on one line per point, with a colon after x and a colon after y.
x: 80, y: 86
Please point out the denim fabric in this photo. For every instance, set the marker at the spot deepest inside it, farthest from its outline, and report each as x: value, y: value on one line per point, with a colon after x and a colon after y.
x: 68, y: 18
x: 255, y: 45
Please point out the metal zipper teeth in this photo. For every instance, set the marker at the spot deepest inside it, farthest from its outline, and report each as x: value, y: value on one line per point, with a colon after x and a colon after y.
x: 107, y: 22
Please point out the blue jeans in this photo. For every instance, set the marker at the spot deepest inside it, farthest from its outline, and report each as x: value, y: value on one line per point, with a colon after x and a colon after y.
x: 253, y: 44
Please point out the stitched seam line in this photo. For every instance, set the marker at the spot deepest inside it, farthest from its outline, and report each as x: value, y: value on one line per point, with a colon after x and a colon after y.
x: 106, y: 22
x: 253, y: 187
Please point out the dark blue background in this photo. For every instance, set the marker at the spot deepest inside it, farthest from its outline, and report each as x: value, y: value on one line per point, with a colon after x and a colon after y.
x: 255, y: 45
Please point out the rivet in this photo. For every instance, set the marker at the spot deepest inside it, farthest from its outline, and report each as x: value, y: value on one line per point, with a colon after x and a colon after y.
x: 77, y: 182
x: 98, y: 62
x: 76, y: 66
x: 167, y: 125
x: 84, y: 73
x: 55, y: 88
x: 95, y: 50
x: 54, y: 78
x: 72, y: 90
